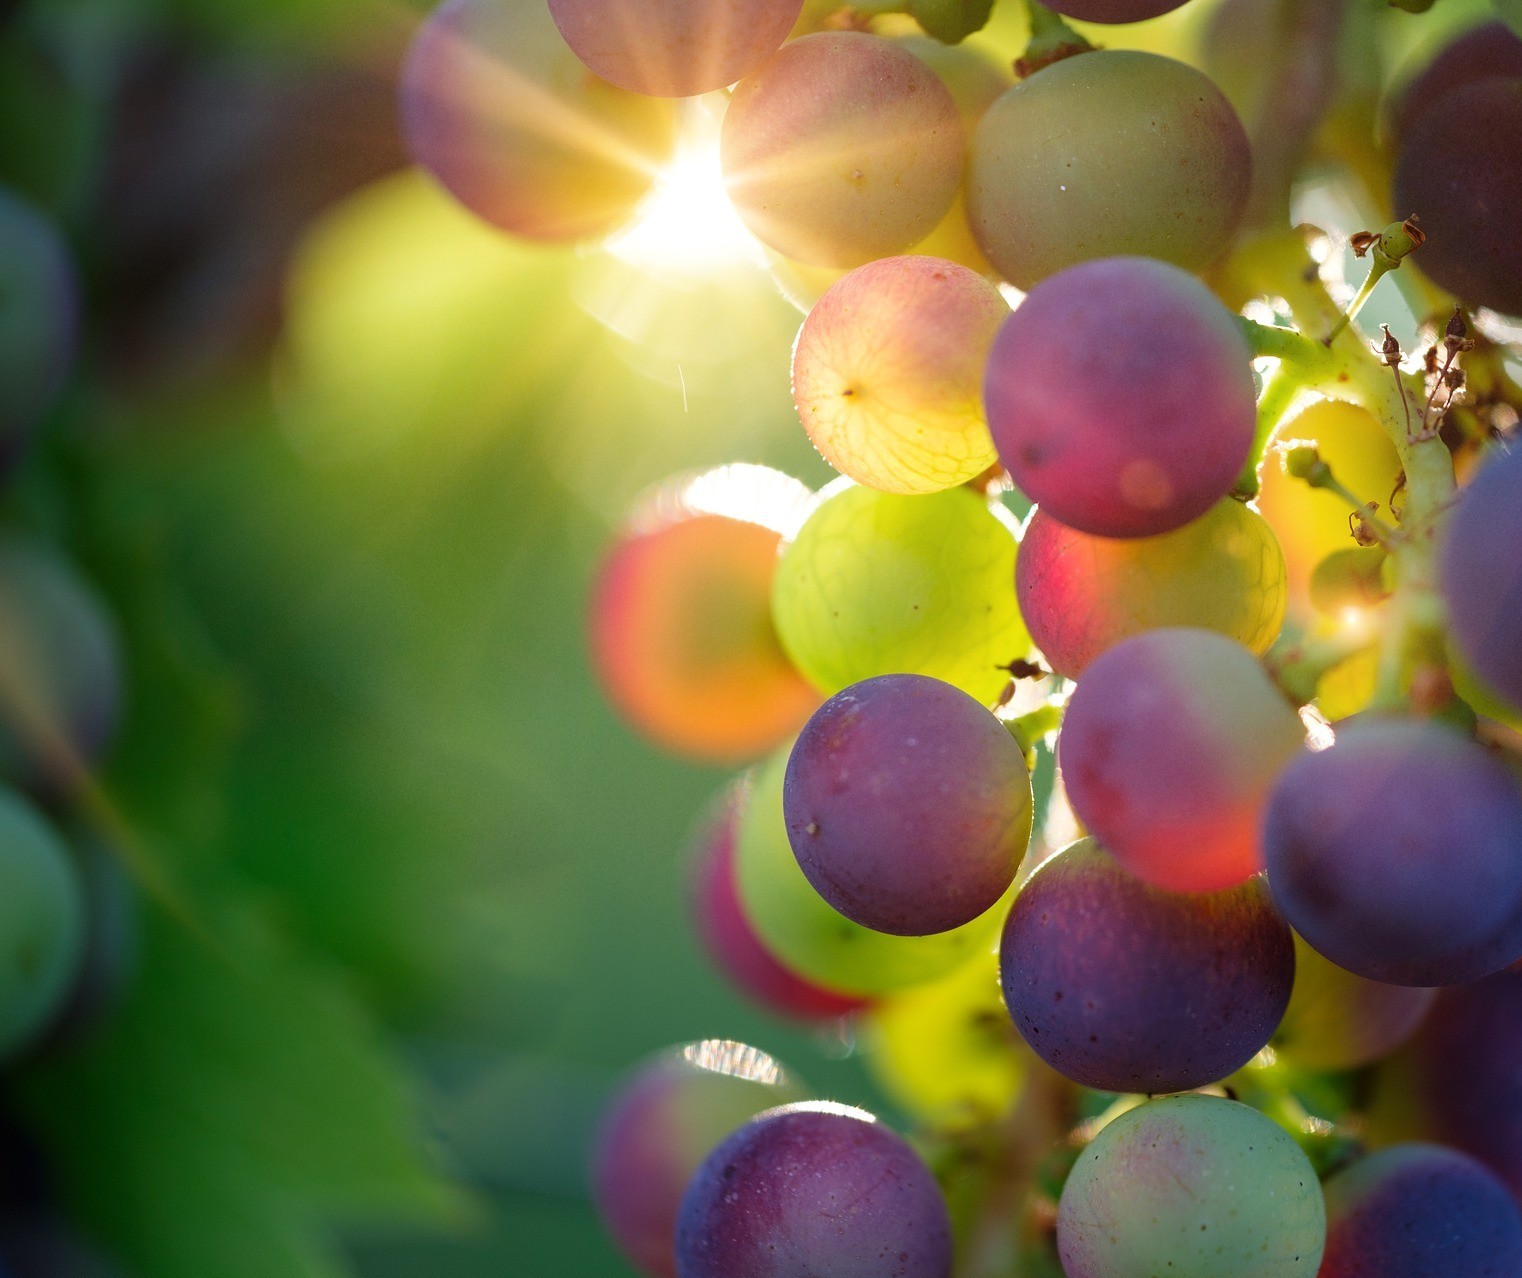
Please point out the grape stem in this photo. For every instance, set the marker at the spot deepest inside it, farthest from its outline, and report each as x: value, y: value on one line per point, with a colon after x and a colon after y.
x: 1051, y: 40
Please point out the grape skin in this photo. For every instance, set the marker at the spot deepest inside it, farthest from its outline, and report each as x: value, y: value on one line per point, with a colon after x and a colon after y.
x: 1420, y: 1211
x: 841, y: 149
x: 813, y: 1189
x: 1114, y: 11
x: 1081, y: 595
x: 1120, y: 397
x: 502, y: 114
x: 1122, y: 987
x: 1488, y: 51
x: 888, y: 374
x: 1481, y: 581
x: 1169, y: 747
x: 908, y: 805
x: 1192, y: 1187
x: 1460, y: 169
x: 1106, y: 154
x: 877, y: 583
x: 1397, y: 853
x: 674, y: 48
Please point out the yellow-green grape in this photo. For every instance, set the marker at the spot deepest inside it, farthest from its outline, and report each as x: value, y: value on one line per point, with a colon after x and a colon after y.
x: 809, y: 936
x: 888, y: 374
x: 877, y: 583
x: 947, y: 1052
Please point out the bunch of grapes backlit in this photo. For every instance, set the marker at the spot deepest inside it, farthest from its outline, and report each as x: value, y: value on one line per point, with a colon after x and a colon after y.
x: 1243, y: 997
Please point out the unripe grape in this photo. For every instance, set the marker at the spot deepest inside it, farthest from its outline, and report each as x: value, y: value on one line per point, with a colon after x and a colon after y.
x: 674, y: 48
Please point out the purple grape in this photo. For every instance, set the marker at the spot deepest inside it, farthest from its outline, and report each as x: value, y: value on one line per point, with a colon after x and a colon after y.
x: 1482, y: 576
x: 1120, y: 397
x: 808, y: 1189
x: 1420, y: 1211
x: 1397, y: 853
x: 1123, y: 987
x: 1460, y: 170
x: 662, y: 1124
x: 1112, y: 11
x: 908, y: 805
x: 1488, y: 51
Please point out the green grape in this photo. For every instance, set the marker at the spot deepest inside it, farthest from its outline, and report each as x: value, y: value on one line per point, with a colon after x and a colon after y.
x: 42, y: 928
x: 1191, y: 1187
x: 946, y: 1051
x: 877, y: 583
x: 809, y: 936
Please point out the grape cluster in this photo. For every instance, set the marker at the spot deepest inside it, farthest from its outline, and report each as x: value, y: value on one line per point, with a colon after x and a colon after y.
x: 1124, y: 488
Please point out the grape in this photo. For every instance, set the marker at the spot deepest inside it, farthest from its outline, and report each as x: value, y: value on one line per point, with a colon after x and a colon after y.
x: 1082, y: 595
x: 1420, y: 1211
x: 1106, y: 154
x: 1120, y: 397
x: 39, y: 321
x: 815, y: 1188
x: 946, y: 1051
x: 1481, y: 559
x: 666, y: 1118
x: 1113, y: 10
x: 908, y: 805
x: 674, y: 48
x: 1336, y: 1020
x: 842, y: 148
x: 110, y: 955
x: 1460, y: 169
x: 1312, y: 523
x: 1191, y: 1187
x: 500, y: 112
x: 975, y: 79
x: 1168, y: 750
x: 1488, y: 51
x: 1463, y: 1075
x: 42, y: 924
x: 1397, y: 853
x: 813, y: 939
x: 888, y: 374
x: 1126, y: 988
x: 876, y: 583
x: 680, y: 617
x: 727, y: 936
x: 60, y: 671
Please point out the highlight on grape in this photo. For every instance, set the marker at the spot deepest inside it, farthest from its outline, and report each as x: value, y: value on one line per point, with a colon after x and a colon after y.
x: 1131, y: 737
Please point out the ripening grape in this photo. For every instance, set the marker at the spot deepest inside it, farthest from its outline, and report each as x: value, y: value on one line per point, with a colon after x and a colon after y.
x: 1420, y: 1211
x: 39, y: 319
x: 975, y: 79
x: 503, y: 115
x: 1336, y: 1020
x: 1123, y: 987
x: 680, y: 617
x: 1120, y: 396
x: 1169, y: 747
x: 726, y: 934
x: 842, y: 148
x: 809, y: 936
x: 674, y: 48
x: 1112, y: 11
x: 1486, y: 52
x: 1081, y: 595
x: 1460, y: 168
x: 60, y: 671
x: 42, y: 924
x: 1397, y: 853
x: 660, y: 1126
x: 888, y: 374
x: 877, y: 583
x: 908, y: 805
x: 1460, y: 1080
x: 1191, y: 1187
x: 1481, y: 580
x: 1106, y: 154
x: 1312, y: 523
x: 946, y: 1051
x: 815, y: 1188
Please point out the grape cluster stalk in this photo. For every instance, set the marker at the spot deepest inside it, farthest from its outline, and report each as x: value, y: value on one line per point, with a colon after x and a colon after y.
x: 1129, y: 484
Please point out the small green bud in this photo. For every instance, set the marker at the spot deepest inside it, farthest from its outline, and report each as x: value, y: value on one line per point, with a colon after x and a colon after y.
x: 1399, y: 240
x: 1304, y: 462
